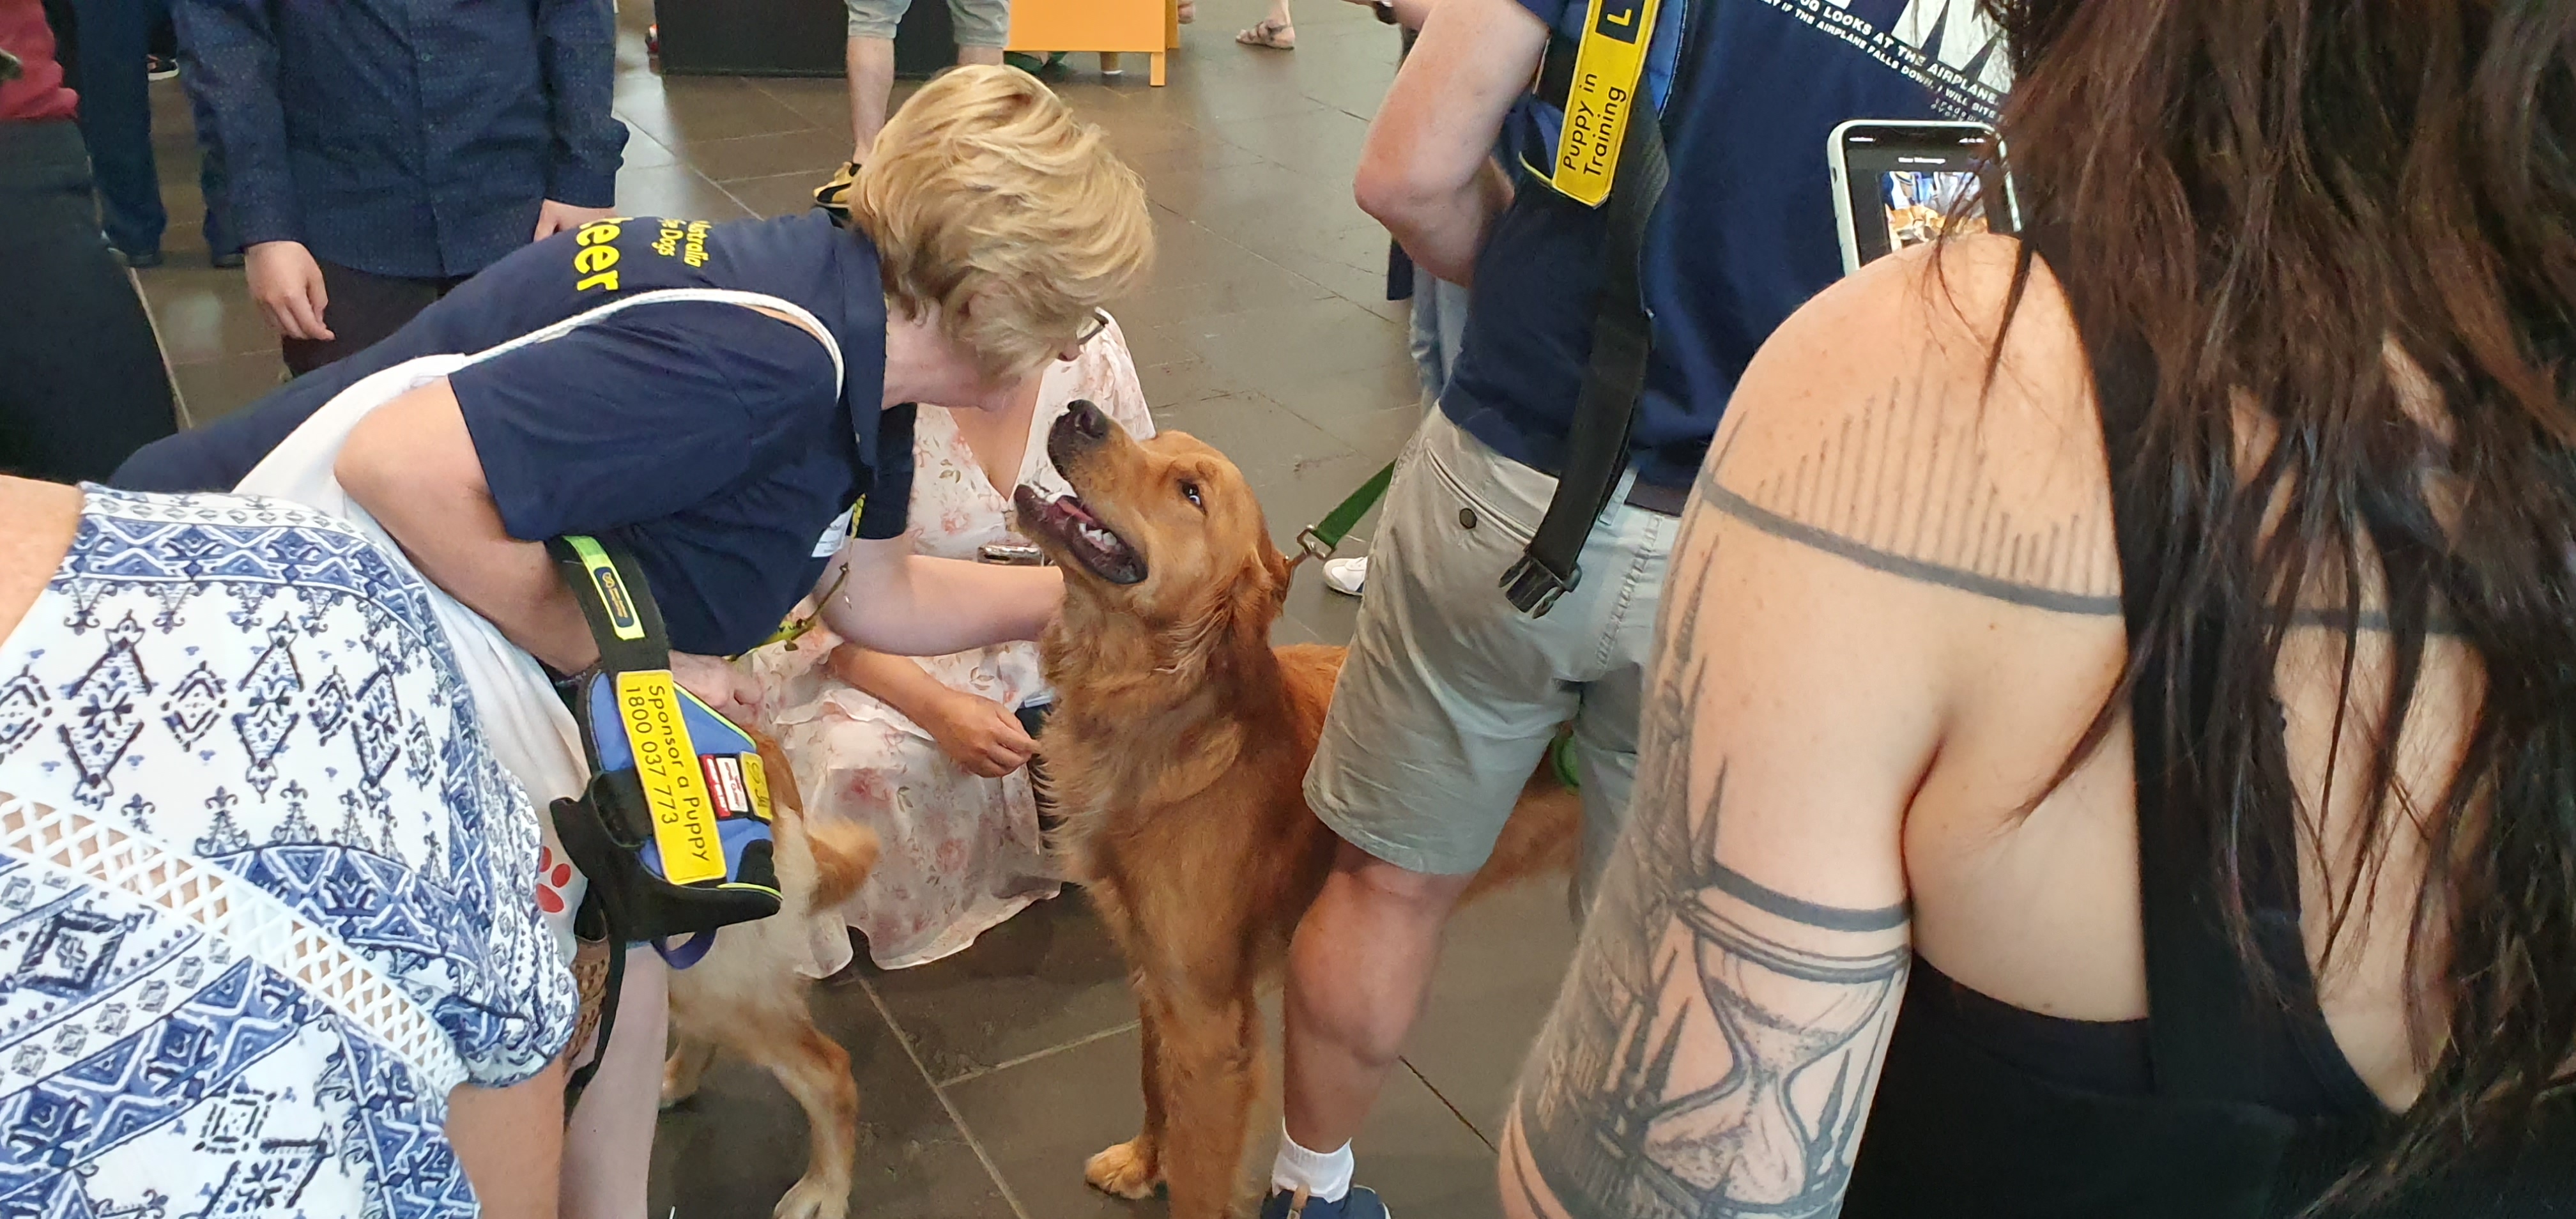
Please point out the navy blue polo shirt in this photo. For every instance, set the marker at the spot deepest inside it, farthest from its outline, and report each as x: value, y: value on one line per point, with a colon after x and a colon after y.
x: 1745, y: 233
x: 711, y: 439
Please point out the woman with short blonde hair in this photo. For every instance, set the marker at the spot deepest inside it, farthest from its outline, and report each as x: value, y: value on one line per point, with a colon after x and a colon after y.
x: 993, y: 193
x: 733, y: 402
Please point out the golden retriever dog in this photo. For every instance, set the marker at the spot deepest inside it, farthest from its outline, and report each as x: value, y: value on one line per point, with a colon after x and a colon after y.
x: 747, y: 996
x: 1177, y: 753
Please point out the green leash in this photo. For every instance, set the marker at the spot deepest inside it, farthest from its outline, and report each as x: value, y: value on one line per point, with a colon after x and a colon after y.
x: 1321, y: 539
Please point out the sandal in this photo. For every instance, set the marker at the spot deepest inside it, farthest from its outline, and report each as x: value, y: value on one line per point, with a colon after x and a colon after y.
x: 1276, y: 35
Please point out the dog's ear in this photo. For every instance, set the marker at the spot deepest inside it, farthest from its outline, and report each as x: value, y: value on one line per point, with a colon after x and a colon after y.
x: 1280, y: 573
x: 1240, y: 620
x: 1261, y: 593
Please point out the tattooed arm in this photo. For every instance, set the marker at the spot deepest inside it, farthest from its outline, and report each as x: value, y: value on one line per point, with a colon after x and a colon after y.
x: 1853, y: 541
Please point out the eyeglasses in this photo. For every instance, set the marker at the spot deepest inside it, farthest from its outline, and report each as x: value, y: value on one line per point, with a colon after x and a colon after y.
x: 1099, y: 322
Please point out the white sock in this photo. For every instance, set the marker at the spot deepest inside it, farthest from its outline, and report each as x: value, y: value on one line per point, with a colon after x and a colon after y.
x: 1326, y: 1175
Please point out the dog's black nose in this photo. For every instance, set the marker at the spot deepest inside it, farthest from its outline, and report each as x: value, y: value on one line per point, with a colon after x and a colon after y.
x: 1086, y: 420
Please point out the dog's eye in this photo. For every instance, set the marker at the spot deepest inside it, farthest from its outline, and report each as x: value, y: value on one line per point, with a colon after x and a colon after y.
x: 1190, y: 492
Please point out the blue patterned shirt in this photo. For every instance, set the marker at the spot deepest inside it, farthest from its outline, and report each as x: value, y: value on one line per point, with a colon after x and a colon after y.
x: 412, y: 138
x: 266, y: 895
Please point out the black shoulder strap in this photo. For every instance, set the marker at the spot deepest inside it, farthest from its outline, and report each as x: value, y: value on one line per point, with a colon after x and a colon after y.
x: 1622, y: 339
x: 2201, y: 1022
x: 627, y: 626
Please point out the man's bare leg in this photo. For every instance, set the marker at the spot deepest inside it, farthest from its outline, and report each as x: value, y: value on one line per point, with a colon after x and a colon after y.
x: 967, y: 55
x: 871, y: 69
x: 1358, y: 973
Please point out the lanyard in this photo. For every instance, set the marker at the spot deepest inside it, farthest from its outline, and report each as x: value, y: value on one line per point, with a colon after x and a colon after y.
x: 1602, y: 98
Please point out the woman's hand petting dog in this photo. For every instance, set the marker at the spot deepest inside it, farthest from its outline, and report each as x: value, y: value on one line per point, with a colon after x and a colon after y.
x: 718, y: 684
x: 979, y: 734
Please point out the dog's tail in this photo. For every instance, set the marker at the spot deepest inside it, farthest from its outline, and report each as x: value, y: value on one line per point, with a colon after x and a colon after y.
x: 843, y: 853
x: 1543, y: 838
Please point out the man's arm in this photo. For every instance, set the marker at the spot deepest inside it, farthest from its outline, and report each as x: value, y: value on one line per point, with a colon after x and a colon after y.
x: 578, y: 48
x: 1428, y: 172
x: 232, y: 70
x: 413, y: 467
x: 911, y: 605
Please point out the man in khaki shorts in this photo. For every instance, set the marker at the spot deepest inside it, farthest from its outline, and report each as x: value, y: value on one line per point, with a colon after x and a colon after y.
x: 981, y: 27
x: 1451, y: 696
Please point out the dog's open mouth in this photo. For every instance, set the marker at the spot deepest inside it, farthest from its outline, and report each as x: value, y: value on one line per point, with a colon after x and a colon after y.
x: 1067, y: 522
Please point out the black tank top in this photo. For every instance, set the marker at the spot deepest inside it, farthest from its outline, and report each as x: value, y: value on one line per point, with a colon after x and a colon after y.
x: 2216, y: 1106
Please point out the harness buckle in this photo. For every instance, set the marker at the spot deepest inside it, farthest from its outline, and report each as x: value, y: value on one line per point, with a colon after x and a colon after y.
x: 1532, y: 587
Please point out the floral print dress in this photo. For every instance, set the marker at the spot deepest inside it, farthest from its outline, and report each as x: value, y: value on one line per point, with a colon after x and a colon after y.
x: 961, y: 852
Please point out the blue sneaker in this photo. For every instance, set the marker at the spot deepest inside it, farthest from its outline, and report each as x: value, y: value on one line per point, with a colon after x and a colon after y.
x: 1360, y: 1203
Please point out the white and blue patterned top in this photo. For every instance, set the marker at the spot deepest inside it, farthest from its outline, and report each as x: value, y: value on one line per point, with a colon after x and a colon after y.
x: 265, y: 896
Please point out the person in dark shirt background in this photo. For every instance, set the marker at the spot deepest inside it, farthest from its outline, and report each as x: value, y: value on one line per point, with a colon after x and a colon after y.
x: 81, y: 379
x: 381, y: 151
x: 109, y: 51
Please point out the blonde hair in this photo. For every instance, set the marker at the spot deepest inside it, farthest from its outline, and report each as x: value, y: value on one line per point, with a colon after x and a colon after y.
x: 997, y: 212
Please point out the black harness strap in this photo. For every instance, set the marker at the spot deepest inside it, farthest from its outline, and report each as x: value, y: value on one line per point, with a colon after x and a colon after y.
x: 1622, y: 340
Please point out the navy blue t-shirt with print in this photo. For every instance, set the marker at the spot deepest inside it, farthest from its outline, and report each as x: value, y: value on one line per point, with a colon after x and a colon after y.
x: 1745, y: 233
x: 712, y: 439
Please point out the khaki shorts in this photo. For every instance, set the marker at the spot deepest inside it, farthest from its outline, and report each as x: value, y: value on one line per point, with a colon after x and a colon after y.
x: 979, y: 23
x: 1450, y: 696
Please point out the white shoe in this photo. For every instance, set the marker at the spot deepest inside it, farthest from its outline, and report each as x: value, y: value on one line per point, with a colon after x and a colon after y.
x: 1346, y: 575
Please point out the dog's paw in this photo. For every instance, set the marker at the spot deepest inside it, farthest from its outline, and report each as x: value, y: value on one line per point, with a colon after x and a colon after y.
x: 678, y: 1082
x: 815, y: 1199
x: 1126, y: 1170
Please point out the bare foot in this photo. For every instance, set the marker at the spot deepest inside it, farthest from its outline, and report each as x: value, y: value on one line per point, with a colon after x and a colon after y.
x: 815, y: 1199
x: 1189, y: 11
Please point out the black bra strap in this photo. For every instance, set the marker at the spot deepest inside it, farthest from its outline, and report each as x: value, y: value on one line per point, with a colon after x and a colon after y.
x: 2201, y: 1026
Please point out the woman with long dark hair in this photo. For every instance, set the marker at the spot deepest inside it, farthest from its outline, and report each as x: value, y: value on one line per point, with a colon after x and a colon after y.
x: 2114, y: 738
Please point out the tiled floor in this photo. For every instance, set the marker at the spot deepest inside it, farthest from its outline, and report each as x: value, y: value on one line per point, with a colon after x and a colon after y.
x: 986, y: 1079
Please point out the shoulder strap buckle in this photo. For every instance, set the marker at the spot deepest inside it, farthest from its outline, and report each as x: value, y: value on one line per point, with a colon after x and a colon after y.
x: 1533, y: 587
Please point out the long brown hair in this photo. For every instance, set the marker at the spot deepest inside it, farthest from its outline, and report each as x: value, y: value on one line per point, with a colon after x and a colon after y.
x: 2276, y: 195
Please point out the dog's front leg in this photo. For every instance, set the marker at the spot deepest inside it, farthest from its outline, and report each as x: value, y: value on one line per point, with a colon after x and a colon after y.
x: 1132, y: 1169
x: 1211, y: 1071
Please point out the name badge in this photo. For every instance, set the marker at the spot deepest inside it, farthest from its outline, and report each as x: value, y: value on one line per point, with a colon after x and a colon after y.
x: 842, y: 528
x: 1607, y: 66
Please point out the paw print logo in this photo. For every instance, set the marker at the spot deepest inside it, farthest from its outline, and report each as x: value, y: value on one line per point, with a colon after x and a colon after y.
x: 553, y: 877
